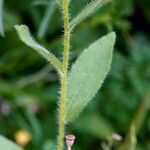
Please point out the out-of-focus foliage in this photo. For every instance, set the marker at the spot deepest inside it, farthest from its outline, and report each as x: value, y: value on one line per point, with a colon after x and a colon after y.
x: 1, y: 18
x: 29, y: 87
x: 7, y: 144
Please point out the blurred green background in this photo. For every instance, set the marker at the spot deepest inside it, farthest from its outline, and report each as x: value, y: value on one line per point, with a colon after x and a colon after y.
x: 29, y: 87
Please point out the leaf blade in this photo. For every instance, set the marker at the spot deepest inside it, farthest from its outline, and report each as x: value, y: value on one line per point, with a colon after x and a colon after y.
x: 27, y: 38
x: 88, y: 74
x: 6, y: 144
x: 87, y: 11
x: 102, y: 130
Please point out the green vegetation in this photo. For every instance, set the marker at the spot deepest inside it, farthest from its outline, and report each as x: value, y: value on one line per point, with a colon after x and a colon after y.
x: 29, y: 96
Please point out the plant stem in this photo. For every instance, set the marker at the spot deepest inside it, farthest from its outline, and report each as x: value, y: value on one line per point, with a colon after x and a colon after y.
x: 69, y: 148
x: 63, y: 96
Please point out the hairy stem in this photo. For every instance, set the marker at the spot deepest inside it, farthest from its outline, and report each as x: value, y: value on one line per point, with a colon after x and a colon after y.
x: 63, y: 96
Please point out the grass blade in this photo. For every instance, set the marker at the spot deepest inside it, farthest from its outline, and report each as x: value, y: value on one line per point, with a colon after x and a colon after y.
x: 1, y: 18
x: 46, y: 19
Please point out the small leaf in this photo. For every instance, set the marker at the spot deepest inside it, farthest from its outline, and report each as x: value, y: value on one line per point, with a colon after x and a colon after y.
x: 88, y: 74
x: 1, y: 17
x: 27, y: 38
x: 6, y: 144
x: 87, y: 11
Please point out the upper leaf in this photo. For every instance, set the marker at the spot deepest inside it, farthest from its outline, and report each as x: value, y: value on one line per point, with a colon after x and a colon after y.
x: 6, y: 144
x: 27, y: 38
x: 88, y: 74
x: 87, y: 11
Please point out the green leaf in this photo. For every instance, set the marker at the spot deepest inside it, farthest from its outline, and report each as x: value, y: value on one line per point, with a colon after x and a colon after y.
x: 87, y: 11
x: 51, y: 7
x: 35, y: 125
x: 6, y: 144
x: 102, y: 130
x: 27, y: 38
x: 88, y: 74
x: 49, y: 145
x: 1, y: 18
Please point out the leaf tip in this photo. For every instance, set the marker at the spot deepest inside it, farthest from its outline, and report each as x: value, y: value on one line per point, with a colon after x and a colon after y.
x: 23, y: 33
x: 112, y: 35
x: 20, y: 27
